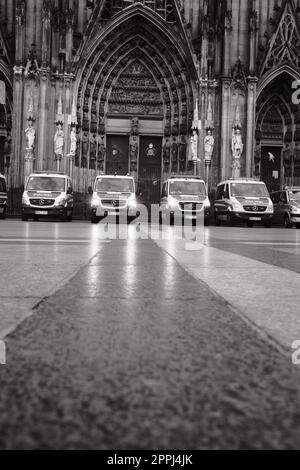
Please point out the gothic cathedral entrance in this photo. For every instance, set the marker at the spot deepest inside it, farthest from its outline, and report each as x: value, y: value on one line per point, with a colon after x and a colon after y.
x: 136, y: 98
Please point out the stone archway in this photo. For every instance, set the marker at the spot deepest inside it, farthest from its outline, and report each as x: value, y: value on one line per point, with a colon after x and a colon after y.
x: 136, y: 80
x: 6, y: 100
x: 277, y: 133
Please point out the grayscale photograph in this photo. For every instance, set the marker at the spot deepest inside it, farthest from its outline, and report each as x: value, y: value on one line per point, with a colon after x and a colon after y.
x: 149, y: 227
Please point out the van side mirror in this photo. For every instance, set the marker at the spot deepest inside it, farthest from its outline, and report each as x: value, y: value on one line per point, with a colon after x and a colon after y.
x: 70, y: 191
x: 90, y: 190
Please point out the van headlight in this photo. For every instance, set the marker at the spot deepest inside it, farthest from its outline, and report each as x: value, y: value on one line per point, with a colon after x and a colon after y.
x: 95, y: 202
x: 61, y: 201
x: 131, y: 203
x: 237, y: 206
x: 172, y: 203
x: 207, y: 204
x: 270, y: 208
x: 25, y: 200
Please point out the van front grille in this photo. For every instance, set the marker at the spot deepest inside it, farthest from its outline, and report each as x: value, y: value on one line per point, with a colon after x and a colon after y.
x: 255, y: 208
x: 42, y: 202
x: 114, y: 203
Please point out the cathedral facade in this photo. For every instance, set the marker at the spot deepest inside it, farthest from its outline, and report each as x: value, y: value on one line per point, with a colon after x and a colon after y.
x: 150, y: 88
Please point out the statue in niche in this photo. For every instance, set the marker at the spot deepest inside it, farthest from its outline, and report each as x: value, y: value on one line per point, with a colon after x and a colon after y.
x: 30, y: 136
x: 73, y: 138
x: 133, y: 149
x: 93, y: 143
x: 101, y: 149
x: 209, y: 143
x: 194, y: 145
x: 85, y: 144
x: 237, y: 143
x: 59, y: 140
x: 174, y: 150
x: 167, y: 150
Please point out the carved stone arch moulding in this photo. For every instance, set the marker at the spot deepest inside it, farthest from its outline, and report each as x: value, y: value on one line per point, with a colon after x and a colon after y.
x: 136, y: 69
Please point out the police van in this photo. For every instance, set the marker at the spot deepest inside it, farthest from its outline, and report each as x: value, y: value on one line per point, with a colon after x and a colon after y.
x: 48, y: 194
x: 243, y: 201
x: 3, y: 197
x: 184, y: 197
x: 113, y: 195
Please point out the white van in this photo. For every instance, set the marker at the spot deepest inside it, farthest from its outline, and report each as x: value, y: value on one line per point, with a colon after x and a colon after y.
x: 184, y: 197
x: 113, y: 195
x: 243, y: 200
x: 3, y: 197
x: 48, y: 194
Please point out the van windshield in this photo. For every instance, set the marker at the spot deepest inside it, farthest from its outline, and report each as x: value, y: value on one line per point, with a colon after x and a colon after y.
x: 118, y: 185
x: 294, y: 196
x: 248, y: 190
x: 2, y: 185
x: 187, y: 188
x: 45, y: 183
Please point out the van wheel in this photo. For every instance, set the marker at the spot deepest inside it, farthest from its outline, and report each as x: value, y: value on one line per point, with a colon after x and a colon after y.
x: 217, y: 221
x: 3, y: 215
x: 229, y: 220
x: 172, y: 220
x: 64, y: 217
x: 94, y: 219
x: 160, y: 218
x: 287, y: 222
x: 268, y: 224
x: 297, y: 225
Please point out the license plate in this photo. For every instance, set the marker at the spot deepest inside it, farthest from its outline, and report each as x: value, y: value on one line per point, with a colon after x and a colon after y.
x: 255, y: 219
x: 41, y: 212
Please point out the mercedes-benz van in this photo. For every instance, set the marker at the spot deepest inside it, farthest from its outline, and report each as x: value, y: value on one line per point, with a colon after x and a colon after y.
x: 48, y: 194
x: 113, y: 195
x: 243, y: 201
x: 184, y: 197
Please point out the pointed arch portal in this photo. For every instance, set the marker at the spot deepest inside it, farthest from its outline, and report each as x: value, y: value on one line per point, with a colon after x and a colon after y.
x: 277, y: 157
x: 136, y: 91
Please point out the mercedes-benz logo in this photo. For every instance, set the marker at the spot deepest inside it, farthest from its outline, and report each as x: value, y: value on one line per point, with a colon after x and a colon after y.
x: 254, y: 208
x: 115, y: 203
x: 42, y: 202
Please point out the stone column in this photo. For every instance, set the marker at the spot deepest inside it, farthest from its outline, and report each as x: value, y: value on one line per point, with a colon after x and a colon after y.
x: 250, y: 131
x: 17, y: 177
x: 28, y: 166
x: 225, y: 147
x: 42, y: 163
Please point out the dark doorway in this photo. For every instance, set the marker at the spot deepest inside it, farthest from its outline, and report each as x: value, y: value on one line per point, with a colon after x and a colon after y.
x: 271, y: 167
x: 150, y: 170
x: 117, y: 155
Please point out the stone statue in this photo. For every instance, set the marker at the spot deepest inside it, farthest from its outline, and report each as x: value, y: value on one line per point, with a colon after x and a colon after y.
x: 73, y: 137
x: 93, y: 145
x: 59, y: 140
x: 194, y: 145
x: 30, y: 136
x: 133, y: 149
x: 209, y: 143
x: 237, y: 143
x: 85, y: 144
